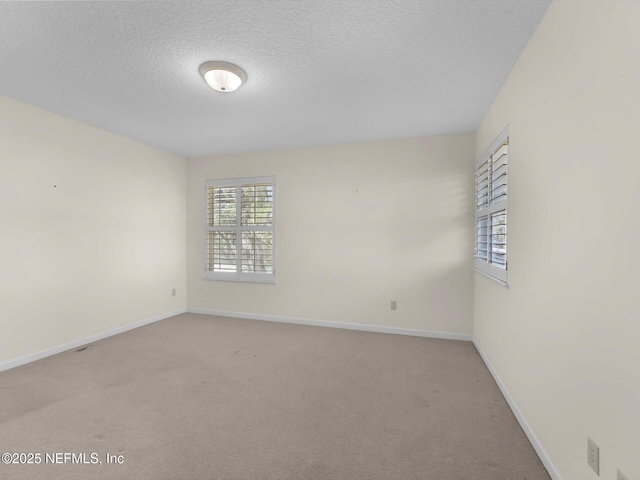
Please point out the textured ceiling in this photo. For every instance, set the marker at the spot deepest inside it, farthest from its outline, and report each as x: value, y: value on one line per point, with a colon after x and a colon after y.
x: 319, y: 71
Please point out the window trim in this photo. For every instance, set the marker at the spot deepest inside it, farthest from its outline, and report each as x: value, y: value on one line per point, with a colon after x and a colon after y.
x: 239, y: 276
x: 480, y: 266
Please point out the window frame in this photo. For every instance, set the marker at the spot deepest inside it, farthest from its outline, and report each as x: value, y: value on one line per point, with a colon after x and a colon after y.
x: 485, y: 267
x: 239, y: 275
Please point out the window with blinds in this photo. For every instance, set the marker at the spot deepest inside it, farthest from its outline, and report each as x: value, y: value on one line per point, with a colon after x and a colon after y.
x: 240, y: 229
x: 491, y: 209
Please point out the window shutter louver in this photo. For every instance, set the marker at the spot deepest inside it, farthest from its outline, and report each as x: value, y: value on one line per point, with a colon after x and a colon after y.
x: 482, y: 242
x: 222, y: 206
x: 498, y: 247
x: 482, y: 185
x: 257, y: 204
x: 257, y: 252
x: 499, y: 175
x: 221, y: 251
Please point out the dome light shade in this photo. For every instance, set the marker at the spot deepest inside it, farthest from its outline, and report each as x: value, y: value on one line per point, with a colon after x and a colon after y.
x: 223, y: 76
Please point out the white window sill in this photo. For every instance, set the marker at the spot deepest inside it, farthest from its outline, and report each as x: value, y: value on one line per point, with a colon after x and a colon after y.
x: 268, y: 281
x: 499, y: 282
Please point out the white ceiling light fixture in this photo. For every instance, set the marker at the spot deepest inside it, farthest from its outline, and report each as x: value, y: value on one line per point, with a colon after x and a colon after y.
x: 223, y: 76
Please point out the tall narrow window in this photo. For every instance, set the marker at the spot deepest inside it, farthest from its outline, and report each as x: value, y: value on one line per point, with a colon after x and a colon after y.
x: 240, y: 229
x: 491, y: 209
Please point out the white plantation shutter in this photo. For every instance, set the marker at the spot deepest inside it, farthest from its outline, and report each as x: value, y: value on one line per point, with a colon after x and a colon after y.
x: 221, y: 251
x: 257, y: 252
x: 257, y: 227
x: 491, y: 209
x: 221, y: 206
x: 482, y: 239
x: 482, y: 185
x: 498, y: 239
x: 240, y: 229
x: 499, y: 174
x: 257, y: 204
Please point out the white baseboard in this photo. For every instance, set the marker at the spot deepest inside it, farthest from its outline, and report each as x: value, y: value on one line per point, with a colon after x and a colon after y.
x: 325, y: 323
x: 16, y: 362
x: 521, y: 420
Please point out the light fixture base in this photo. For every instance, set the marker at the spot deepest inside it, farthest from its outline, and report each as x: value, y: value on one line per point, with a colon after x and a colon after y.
x: 223, y: 82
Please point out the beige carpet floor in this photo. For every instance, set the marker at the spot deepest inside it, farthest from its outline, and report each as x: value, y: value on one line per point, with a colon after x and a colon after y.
x: 197, y: 397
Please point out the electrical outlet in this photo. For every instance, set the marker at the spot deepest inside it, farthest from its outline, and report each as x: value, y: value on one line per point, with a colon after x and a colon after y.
x: 593, y: 455
x: 621, y: 476
x: 394, y: 305
x: 173, y: 292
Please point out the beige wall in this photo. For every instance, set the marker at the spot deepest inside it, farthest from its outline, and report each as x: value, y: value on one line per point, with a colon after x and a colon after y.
x: 565, y: 338
x: 101, y: 249
x: 356, y: 226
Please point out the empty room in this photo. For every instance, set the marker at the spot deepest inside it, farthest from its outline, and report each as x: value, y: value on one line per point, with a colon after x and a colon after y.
x: 320, y: 240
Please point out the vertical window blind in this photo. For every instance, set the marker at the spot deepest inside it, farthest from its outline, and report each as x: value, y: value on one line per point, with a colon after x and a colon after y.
x: 240, y: 229
x: 491, y: 209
